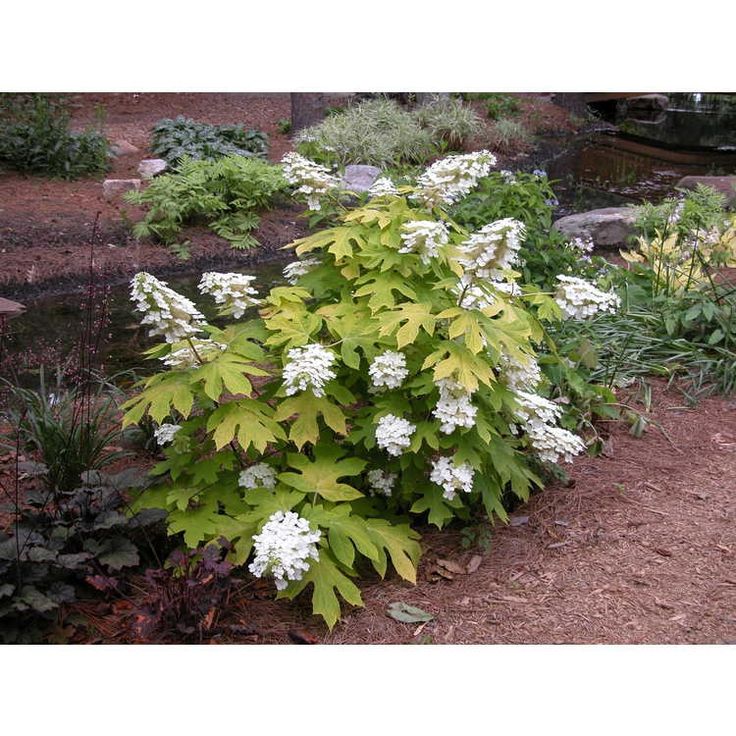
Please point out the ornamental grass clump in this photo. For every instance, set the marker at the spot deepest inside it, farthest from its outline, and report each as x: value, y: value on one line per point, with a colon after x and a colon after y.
x: 366, y: 397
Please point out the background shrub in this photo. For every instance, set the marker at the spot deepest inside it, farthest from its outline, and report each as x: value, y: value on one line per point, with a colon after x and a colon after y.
x: 173, y: 140
x: 449, y: 122
x: 35, y: 138
x: 226, y: 194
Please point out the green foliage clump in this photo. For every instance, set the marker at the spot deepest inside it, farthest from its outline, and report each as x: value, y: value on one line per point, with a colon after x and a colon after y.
x: 35, y: 139
x: 499, y: 105
x: 174, y: 140
x: 378, y: 132
x: 63, y: 547
x: 449, y: 122
x: 68, y: 429
x: 227, y: 194
x: 360, y: 297
x: 507, y: 135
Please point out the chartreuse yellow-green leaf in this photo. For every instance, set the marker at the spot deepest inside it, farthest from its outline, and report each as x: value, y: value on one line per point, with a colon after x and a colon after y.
x: 321, y: 475
x: 161, y: 394
x: 307, y: 407
x: 247, y: 421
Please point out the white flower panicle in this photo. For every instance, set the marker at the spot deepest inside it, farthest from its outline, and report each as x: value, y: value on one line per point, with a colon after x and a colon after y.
x: 533, y: 407
x: 188, y: 356
x: 454, y: 408
x: 393, y: 434
x: 383, y: 187
x: 232, y: 291
x: 521, y: 376
x: 166, y: 311
x: 308, y: 367
x: 451, y: 477
x: 165, y: 434
x: 311, y: 179
x: 381, y: 482
x: 579, y: 299
x: 583, y: 247
x: 495, y: 245
x: 552, y: 443
x: 296, y: 269
x: 424, y: 237
x: 259, y: 475
x: 388, y: 370
x: 538, y: 418
x: 284, y: 547
x: 452, y: 178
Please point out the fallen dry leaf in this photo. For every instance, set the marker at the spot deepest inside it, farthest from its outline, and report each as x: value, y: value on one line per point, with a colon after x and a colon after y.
x: 474, y: 563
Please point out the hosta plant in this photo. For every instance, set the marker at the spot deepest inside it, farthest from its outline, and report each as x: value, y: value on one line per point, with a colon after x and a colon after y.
x: 391, y: 383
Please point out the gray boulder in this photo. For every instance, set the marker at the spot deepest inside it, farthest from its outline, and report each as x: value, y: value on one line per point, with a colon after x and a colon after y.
x: 150, y: 167
x: 726, y: 185
x: 113, y: 189
x: 647, y: 103
x: 359, y: 177
x: 123, y: 148
x: 609, y: 227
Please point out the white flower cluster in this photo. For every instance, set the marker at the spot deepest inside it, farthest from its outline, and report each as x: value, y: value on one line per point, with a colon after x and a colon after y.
x: 472, y: 296
x: 296, y: 269
x: 424, y: 237
x: 494, y: 246
x: 165, y: 434
x: 381, y: 482
x: 579, y: 299
x: 454, y: 408
x: 259, y: 475
x: 200, y: 351
x: 583, y: 246
x: 383, y: 187
x: 233, y: 291
x: 521, y: 376
x: 167, y: 312
x: 309, y: 367
x: 508, y: 176
x: 451, y: 477
x: 452, y: 178
x: 539, y: 416
x: 393, y: 434
x: 312, y: 179
x: 388, y: 369
x: 283, y: 548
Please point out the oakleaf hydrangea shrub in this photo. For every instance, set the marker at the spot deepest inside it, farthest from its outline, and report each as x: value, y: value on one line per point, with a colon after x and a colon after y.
x: 364, y: 398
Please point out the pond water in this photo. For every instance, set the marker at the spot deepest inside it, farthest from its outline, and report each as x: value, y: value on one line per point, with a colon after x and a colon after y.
x: 640, y: 160
x: 643, y: 159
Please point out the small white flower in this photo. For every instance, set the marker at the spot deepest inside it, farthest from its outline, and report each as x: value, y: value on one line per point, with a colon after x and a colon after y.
x: 167, y: 312
x: 259, y: 475
x: 296, y: 269
x: 233, y: 291
x: 381, y: 482
x: 311, y: 179
x: 521, y: 376
x: 552, y: 443
x: 165, y: 434
x: 454, y: 408
x: 388, y: 369
x: 424, y: 237
x: 451, y: 477
x: 383, y: 187
x: 283, y: 548
x: 579, y: 299
x: 393, y: 434
x: 308, y: 367
x: 535, y: 407
x: 452, y: 178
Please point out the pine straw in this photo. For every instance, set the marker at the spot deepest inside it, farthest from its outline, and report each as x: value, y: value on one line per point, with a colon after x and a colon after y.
x: 640, y: 550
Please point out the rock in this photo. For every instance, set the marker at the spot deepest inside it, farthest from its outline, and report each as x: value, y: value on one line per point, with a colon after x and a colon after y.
x: 724, y: 184
x: 149, y: 167
x: 359, y: 177
x: 608, y: 227
x: 647, y: 103
x: 115, y: 188
x: 9, y: 308
x: 123, y: 148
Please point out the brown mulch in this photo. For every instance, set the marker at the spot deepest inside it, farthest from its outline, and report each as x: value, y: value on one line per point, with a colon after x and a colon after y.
x: 642, y: 549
